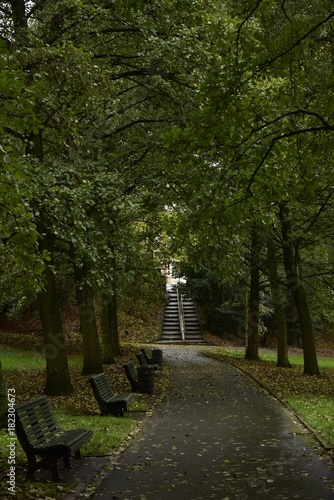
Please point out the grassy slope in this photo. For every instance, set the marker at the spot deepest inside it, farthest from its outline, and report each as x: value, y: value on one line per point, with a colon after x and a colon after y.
x: 311, y: 397
x: 24, y: 369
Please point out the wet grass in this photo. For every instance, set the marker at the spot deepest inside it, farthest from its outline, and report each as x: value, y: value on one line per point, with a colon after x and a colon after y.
x: 24, y: 371
x: 109, y: 433
x: 311, y: 397
x: 13, y: 358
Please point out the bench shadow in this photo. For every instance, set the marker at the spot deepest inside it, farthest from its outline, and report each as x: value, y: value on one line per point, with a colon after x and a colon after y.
x: 83, y: 471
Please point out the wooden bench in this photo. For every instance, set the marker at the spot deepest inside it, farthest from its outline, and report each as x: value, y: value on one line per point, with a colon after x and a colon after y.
x: 109, y: 402
x: 142, y: 361
x: 147, y: 357
x: 40, y: 436
x: 132, y: 375
x: 155, y: 359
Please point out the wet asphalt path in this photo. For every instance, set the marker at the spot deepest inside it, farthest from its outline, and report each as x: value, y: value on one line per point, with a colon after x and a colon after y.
x: 217, y: 434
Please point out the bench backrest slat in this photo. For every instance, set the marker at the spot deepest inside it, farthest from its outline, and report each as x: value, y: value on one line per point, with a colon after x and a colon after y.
x: 35, y: 422
x: 132, y: 375
x: 101, y: 387
x: 132, y: 370
x: 141, y: 358
x: 147, y: 357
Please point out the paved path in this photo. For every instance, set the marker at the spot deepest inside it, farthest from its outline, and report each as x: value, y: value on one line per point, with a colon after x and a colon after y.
x: 218, y: 435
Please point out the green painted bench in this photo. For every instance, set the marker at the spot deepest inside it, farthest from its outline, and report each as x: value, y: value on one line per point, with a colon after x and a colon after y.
x: 149, y: 359
x: 142, y: 361
x: 109, y: 401
x: 132, y: 375
x: 40, y: 437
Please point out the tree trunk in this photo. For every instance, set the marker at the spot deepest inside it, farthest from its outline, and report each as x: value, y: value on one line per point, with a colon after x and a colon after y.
x: 278, y: 301
x: 92, y: 359
x: 103, y: 300
x: 296, y: 287
x: 113, y: 318
x: 3, y: 400
x: 252, y: 350
x: 19, y: 15
x: 58, y: 381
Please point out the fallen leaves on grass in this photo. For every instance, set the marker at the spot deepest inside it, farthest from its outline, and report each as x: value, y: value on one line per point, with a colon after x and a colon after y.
x: 30, y: 383
x: 281, y: 381
x: 307, y: 395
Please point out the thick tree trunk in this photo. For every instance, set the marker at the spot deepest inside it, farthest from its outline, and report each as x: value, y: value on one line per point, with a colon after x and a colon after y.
x: 252, y: 349
x: 278, y: 301
x: 113, y: 319
x: 58, y: 381
x: 19, y: 15
x: 296, y: 287
x: 92, y: 359
x: 103, y: 300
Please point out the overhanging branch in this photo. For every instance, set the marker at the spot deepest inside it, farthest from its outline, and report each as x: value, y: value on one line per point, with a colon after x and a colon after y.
x: 327, y: 128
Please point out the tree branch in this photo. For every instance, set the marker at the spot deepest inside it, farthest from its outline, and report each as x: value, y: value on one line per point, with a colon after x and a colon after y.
x: 261, y: 66
x: 132, y: 124
x: 243, y: 23
x: 279, y: 138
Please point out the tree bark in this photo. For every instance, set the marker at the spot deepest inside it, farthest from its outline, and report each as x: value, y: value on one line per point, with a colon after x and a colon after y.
x: 19, y: 15
x: 92, y: 359
x: 252, y: 349
x: 58, y: 381
x: 113, y: 318
x: 103, y: 300
x: 296, y: 287
x: 278, y: 301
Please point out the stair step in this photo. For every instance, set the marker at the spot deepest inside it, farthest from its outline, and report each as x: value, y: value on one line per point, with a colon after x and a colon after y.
x: 171, y: 331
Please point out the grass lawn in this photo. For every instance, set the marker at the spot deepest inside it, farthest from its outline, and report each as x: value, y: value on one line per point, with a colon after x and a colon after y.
x: 311, y: 397
x: 24, y: 370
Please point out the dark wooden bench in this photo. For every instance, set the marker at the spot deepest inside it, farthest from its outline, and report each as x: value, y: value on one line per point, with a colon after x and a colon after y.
x: 109, y: 401
x: 155, y: 359
x: 40, y: 436
x: 149, y: 359
x: 142, y: 361
x: 132, y: 375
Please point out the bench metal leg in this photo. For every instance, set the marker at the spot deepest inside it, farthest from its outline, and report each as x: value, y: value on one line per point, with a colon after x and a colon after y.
x: 30, y: 473
x: 55, y: 471
x: 67, y: 462
x: 32, y: 466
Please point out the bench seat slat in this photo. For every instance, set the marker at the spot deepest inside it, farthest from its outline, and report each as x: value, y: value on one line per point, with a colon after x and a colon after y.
x: 142, y: 361
x: 39, y: 435
x: 70, y: 440
x: 108, y: 400
x: 120, y: 397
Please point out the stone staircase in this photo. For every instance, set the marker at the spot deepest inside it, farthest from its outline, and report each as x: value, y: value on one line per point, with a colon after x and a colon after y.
x: 171, y: 328
x: 177, y: 314
x: 193, y: 330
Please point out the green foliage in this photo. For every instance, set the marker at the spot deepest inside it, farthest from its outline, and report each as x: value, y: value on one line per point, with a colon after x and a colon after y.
x: 259, y: 135
x: 114, y: 111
